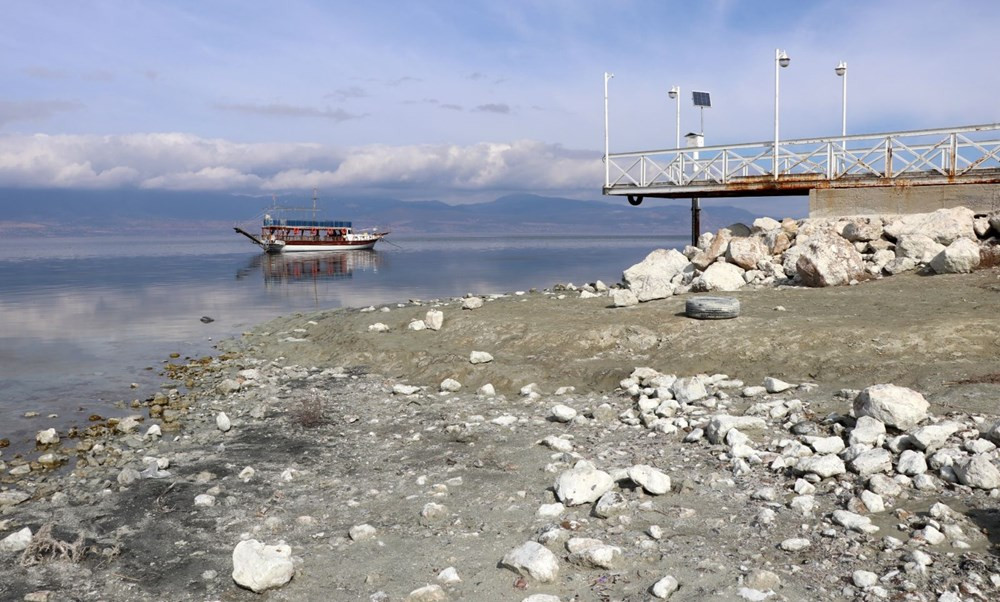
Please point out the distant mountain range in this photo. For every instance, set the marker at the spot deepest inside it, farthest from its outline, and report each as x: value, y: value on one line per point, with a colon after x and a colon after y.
x: 60, y: 212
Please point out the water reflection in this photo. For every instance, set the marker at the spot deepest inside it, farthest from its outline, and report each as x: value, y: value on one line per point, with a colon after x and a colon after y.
x: 286, y: 269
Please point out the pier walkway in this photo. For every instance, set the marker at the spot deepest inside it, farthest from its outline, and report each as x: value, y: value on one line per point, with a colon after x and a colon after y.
x: 961, y: 155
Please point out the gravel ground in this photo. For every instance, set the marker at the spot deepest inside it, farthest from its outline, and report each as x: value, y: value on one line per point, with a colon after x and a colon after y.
x: 457, y: 479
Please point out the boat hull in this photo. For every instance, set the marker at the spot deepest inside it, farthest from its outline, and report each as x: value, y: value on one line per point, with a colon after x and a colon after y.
x: 355, y: 243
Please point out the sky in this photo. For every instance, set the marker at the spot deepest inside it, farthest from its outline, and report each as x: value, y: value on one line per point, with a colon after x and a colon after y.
x: 460, y: 101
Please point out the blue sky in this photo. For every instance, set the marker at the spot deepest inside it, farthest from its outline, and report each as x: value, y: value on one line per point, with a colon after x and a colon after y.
x: 459, y: 101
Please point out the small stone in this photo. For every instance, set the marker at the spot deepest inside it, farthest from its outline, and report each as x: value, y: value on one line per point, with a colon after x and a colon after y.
x: 593, y: 552
x: 763, y: 580
x: 47, y: 437
x: 449, y: 576
x: 824, y: 466
x: 400, y: 389
x: 450, y: 385
x: 427, y: 593
x: 480, y: 357
x: 246, y: 474
x: 774, y: 385
x: 361, y: 532
x: 472, y: 303
x: 432, y: 511
x: 260, y: 567
x: 15, y: 542
x: 651, y: 479
x: 222, y: 421
x: 487, y: 390
x: 562, y: 413
x: 911, y: 463
x: 854, y: 522
x: 794, y: 544
x: 204, y: 500
x: 665, y: 587
x: 13, y: 497
x: 895, y: 406
x: 128, y: 476
x: 864, y: 579
x: 378, y: 327
x: 551, y: 510
x: 610, y: 504
x: 872, y: 501
x: 416, y: 325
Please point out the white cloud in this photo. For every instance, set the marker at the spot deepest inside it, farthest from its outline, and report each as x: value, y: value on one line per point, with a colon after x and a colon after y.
x: 179, y: 161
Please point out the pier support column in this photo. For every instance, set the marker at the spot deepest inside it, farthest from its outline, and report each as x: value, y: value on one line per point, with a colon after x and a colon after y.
x: 695, y: 221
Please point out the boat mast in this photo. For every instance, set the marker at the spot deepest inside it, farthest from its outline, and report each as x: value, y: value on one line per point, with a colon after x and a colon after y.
x: 314, y: 201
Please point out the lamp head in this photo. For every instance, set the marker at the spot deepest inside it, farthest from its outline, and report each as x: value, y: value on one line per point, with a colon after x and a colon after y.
x: 674, y: 91
x: 783, y: 58
x: 841, y: 69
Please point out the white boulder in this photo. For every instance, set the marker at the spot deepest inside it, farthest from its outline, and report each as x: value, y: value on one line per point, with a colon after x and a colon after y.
x: 978, y: 472
x: 828, y: 260
x: 260, y: 567
x: 480, y: 357
x: 472, y: 303
x: 16, y: 541
x: 582, y: 485
x: 960, y: 257
x: 918, y: 247
x: 944, y: 225
x: 534, y: 560
x: 720, y: 277
x: 651, y: 278
x: 651, y: 479
x: 623, y: 297
x: 434, y: 319
x: 895, y: 406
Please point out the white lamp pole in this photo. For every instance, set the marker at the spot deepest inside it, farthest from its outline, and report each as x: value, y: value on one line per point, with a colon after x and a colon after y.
x: 841, y: 71
x: 675, y: 93
x: 780, y: 60
x: 607, y: 162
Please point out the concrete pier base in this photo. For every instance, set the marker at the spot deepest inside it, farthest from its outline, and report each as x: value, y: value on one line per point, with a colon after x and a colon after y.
x: 981, y: 198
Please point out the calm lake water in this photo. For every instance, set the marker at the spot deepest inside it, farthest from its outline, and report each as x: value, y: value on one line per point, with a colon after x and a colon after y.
x: 82, y: 318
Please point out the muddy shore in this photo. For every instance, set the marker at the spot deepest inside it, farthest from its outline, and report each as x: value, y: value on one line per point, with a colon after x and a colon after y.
x: 458, y: 479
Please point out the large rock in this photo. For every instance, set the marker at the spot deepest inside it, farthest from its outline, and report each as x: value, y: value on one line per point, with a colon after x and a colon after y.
x: 945, y: 226
x: 746, y: 252
x: 918, y: 247
x: 434, y: 319
x: 824, y: 465
x: 716, y: 248
x: 720, y: 277
x: 895, y: 406
x: 829, y: 260
x: 960, y: 257
x: 534, y: 560
x: 623, y: 297
x: 863, y: 229
x: 260, y: 567
x: 593, y: 553
x: 650, y: 278
x: 582, y: 485
x: 978, y: 472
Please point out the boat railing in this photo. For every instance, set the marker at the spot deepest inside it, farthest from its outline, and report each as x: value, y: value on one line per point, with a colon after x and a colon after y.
x: 304, y: 223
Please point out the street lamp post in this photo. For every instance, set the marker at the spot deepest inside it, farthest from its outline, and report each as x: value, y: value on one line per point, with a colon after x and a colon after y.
x: 607, y: 162
x: 675, y: 93
x: 841, y: 71
x: 780, y: 60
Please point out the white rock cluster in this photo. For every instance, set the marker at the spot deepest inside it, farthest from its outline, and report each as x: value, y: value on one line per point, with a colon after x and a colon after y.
x: 814, y: 252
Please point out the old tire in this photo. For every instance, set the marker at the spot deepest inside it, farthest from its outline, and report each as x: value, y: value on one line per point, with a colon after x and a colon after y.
x: 712, y: 308
x: 634, y: 200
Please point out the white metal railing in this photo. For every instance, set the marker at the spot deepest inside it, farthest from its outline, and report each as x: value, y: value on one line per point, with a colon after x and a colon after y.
x: 951, y: 153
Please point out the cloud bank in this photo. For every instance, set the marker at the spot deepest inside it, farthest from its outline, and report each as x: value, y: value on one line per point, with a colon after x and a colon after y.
x: 177, y: 161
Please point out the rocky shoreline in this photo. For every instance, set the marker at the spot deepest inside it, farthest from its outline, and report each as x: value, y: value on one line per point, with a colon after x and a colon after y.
x: 555, y: 445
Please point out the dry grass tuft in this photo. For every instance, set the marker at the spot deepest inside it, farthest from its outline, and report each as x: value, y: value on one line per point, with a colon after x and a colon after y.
x: 309, y: 413
x: 44, y: 547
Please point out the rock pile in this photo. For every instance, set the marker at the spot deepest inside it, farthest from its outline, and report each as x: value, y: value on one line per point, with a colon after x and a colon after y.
x: 815, y: 252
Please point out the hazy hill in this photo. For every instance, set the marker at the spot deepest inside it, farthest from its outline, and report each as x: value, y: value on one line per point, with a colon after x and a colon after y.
x: 55, y: 212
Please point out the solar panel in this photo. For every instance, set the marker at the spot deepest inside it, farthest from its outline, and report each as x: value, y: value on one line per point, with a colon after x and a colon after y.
x: 701, y: 99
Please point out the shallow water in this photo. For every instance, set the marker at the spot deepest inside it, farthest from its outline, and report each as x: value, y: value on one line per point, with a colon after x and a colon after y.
x: 82, y: 318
